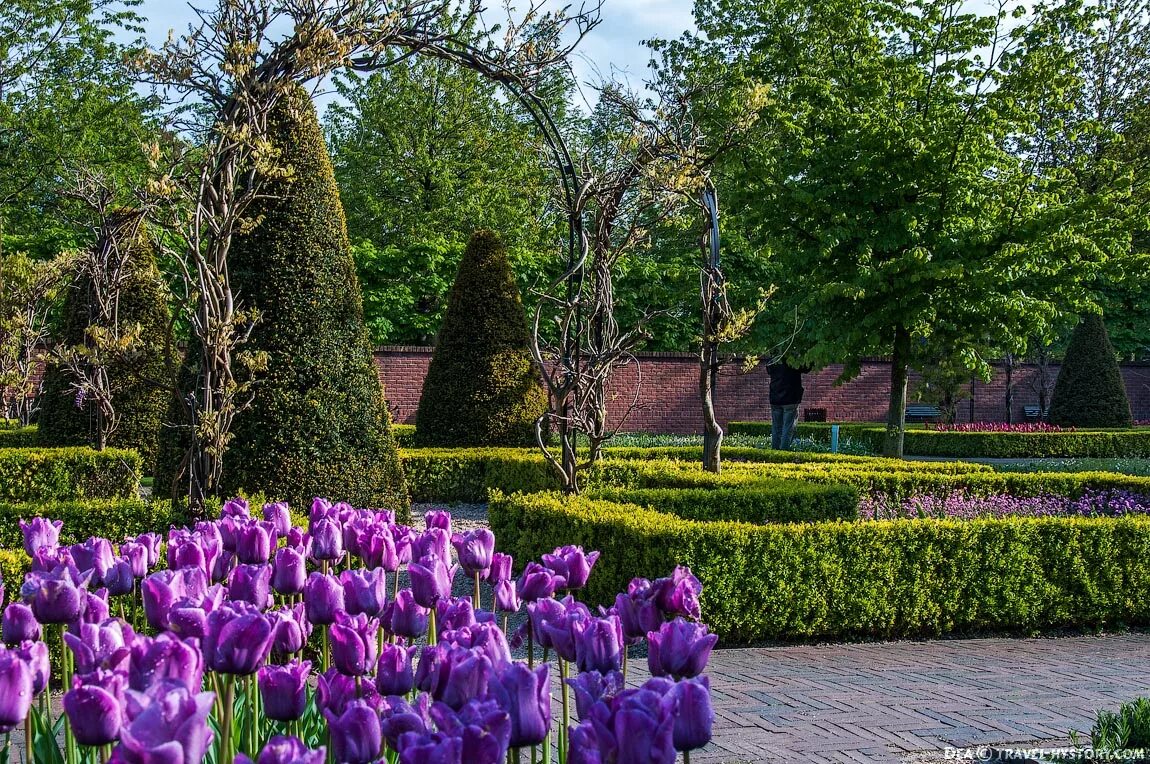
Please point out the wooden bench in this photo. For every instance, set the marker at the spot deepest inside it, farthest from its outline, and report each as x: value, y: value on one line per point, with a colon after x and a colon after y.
x: 923, y: 413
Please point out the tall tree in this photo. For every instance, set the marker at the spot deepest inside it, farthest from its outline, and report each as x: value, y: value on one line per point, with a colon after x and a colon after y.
x: 902, y: 193
x: 425, y: 152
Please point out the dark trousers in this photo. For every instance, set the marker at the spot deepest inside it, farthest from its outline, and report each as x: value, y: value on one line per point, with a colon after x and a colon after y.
x: 783, y: 420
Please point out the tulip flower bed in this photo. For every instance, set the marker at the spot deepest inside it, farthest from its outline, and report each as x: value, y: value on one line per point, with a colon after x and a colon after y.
x: 209, y: 659
x: 897, y: 578
x: 960, y: 505
x: 46, y: 474
x: 983, y: 444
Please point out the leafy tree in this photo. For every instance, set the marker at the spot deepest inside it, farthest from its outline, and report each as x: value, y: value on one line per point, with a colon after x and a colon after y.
x: 67, y: 97
x: 318, y: 423
x: 136, y: 367
x: 425, y: 152
x: 29, y: 290
x: 482, y: 388
x: 1090, y: 391
x: 899, y: 192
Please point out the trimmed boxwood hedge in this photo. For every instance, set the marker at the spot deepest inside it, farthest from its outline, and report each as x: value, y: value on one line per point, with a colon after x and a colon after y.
x: 775, y: 501
x: 48, y: 474
x: 985, y: 445
x: 901, y: 578
x: 18, y: 437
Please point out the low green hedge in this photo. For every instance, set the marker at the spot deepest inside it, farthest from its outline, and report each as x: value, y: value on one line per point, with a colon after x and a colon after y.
x: 110, y: 518
x: 901, y: 578
x: 49, y: 474
x: 13, y: 565
x: 404, y: 435
x: 986, y: 445
x: 776, y: 501
x: 466, y: 474
x: 739, y: 454
x: 17, y: 437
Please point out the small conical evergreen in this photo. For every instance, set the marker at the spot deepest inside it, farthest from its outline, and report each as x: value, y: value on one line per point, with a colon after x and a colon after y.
x: 318, y: 424
x: 482, y: 388
x: 1090, y: 391
x: 139, y: 393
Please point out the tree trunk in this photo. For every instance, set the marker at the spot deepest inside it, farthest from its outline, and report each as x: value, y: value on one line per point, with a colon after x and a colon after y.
x: 896, y: 413
x: 712, y: 432
x: 1009, y: 388
x: 569, y: 458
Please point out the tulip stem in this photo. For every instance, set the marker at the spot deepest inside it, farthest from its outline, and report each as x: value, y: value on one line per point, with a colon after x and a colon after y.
x: 70, y: 750
x: 326, y: 648
x: 530, y: 646
x: 477, y: 598
x: 254, y: 711
x: 624, y: 662
x: 563, y: 672
x: 686, y: 757
x: 226, y: 752
x: 432, y: 632
x: 29, y: 747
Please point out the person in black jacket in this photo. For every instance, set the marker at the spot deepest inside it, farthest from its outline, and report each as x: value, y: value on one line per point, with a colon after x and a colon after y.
x: 786, y: 395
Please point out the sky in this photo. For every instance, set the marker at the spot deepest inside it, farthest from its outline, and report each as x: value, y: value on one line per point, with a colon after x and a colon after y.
x: 614, y: 47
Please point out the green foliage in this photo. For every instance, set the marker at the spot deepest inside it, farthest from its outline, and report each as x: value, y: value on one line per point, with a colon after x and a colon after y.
x: 113, y: 519
x: 984, y: 445
x: 140, y: 390
x: 887, y: 579
x: 50, y: 474
x: 466, y: 474
x: 318, y: 423
x: 1090, y: 391
x: 13, y: 565
x: 404, y: 434
x: 1126, y: 729
x: 772, y: 501
x: 425, y: 152
x: 67, y: 97
x: 18, y: 437
x: 482, y: 388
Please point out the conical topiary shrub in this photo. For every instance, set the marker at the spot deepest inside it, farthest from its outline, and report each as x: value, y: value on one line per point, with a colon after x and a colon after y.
x: 1089, y: 391
x: 139, y: 392
x: 482, y: 388
x: 318, y: 424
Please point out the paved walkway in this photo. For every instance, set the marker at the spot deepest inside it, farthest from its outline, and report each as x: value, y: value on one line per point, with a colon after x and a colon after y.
x: 877, y: 702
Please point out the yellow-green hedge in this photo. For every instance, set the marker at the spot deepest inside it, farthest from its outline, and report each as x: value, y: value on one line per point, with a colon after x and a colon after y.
x: 110, y: 518
x: 1000, y: 445
x: 18, y: 437
x: 48, y: 474
x: 900, y: 578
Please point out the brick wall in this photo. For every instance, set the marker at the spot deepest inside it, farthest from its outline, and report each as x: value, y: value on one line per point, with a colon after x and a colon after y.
x: 668, y: 401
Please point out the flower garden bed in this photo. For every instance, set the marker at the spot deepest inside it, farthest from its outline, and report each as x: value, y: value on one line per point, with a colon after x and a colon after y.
x: 260, y: 640
x: 900, y: 578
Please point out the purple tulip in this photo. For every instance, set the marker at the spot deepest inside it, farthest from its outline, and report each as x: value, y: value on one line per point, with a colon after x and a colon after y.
x: 680, y: 649
x: 430, y: 580
x: 506, y: 597
x: 136, y: 555
x: 404, y: 537
x: 251, y: 583
x: 430, y: 748
x: 400, y: 717
x: 377, y: 547
x: 482, y: 726
x: 169, y: 724
x: 334, y: 691
x: 60, y: 596
x: 107, y: 646
x: 353, y: 643
x: 483, y: 638
x: 571, y: 564
x: 95, y: 711
x: 537, y: 582
x: 320, y: 508
x: 475, y: 549
x: 95, y: 608
x: 694, y: 716
x: 438, y: 518
x: 290, y: 573
x: 323, y: 596
x: 547, y: 611
x: 188, y: 549
x: 162, y: 589
x: 19, y: 624
x: 679, y: 594
x: 404, y: 617
x: 15, y: 690
x: 356, y: 737
x: 326, y: 539
x: 35, y: 654
x: 236, y: 507
x: 500, y: 568
x: 94, y: 555
x: 452, y: 675
x: 454, y: 613
x: 638, y: 615
x: 165, y: 658
x: 278, y: 515
x: 364, y: 591
x: 526, y: 696
x: 591, y: 687
x: 47, y: 559
x: 583, y: 745
x: 222, y: 566
x: 599, y: 645
x: 290, y: 629
x: 40, y: 533
x: 254, y: 542
x: 285, y: 750
x: 559, y: 628
x: 393, y: 673
x: 119, y: 579
x: 284, y: 690
x: 238, y: 639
